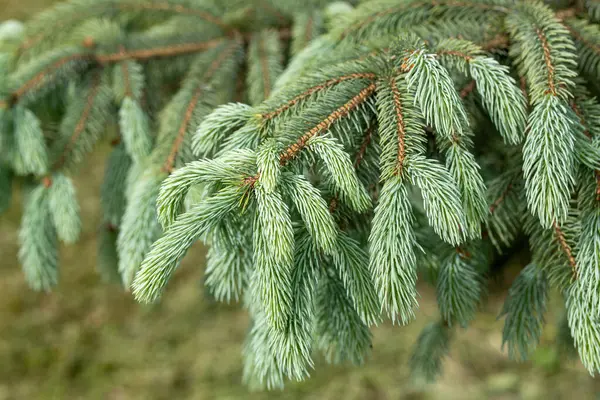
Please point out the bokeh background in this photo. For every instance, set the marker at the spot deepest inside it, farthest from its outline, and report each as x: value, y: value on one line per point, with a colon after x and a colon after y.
x: 90, y: 340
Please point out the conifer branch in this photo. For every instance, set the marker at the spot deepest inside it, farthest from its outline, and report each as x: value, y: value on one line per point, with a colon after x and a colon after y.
x: 400, y: 127
x: 363, y: 146
x: 314, y: 89
x: 40, y: 77
x: 324, y: 125
x: 43, y: 77
x: 501, y: 198
x: 407, y: 8
x: 80, y: 127
x: 189, y: 112
x: 108, y: 6
x: 560, y: 237
x: 468, y: 89
x: 547, y: 61
x: 594, y: 47
x: 166, y: 51
x: 352, y: 173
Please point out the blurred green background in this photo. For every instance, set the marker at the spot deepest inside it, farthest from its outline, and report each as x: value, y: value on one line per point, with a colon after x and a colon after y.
x: 89, y: 340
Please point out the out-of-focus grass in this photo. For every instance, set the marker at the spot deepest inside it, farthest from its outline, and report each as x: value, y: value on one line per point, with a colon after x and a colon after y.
x: 89, y: 340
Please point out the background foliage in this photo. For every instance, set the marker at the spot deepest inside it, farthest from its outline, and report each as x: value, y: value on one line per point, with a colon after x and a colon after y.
x: 88, y: 340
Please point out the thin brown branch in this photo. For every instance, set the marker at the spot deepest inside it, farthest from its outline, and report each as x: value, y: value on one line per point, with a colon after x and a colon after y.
x: 468, y: 89
x: 166, y: 51
x: 501, y: 198
x: 189, y: 112
x: 47, y: 181
x: 523, y: 84
x: 580, y: 115
x: 560, y: 237
x: 463, y: 253
x: 251, y: 180
x: 566, y: 13
x: 333, y: 204
x: 360, y: 155
x: 314, y: 89
x: 81, y: 123
x: 548, y: 60
x: 324, y: 125
x: 39, y: 78
x: 400, y: 126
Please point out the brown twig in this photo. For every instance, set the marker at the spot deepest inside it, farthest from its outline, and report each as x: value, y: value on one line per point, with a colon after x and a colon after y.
x: 363, y: 146
x: 593, y: 46
x: 468, y: 89
x: 166, y: 51
x: 81, y: 123
x: 400, y: 127
x: 39, y: 78
x: 314, y: 89
x: 324, y: 125
x: 406, y: 7
x: 189, y: 112
x: 548, y: 60
x: 501, y: 198
x: 560, y: 237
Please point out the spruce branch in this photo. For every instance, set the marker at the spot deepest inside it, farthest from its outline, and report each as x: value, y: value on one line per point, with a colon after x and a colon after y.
x: 412, y: 140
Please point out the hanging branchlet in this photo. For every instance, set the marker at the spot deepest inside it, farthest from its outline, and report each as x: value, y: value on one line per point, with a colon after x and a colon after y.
x: 524, y: 309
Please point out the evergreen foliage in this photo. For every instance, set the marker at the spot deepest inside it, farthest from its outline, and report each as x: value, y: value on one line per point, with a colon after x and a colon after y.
x: 412, y: 139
